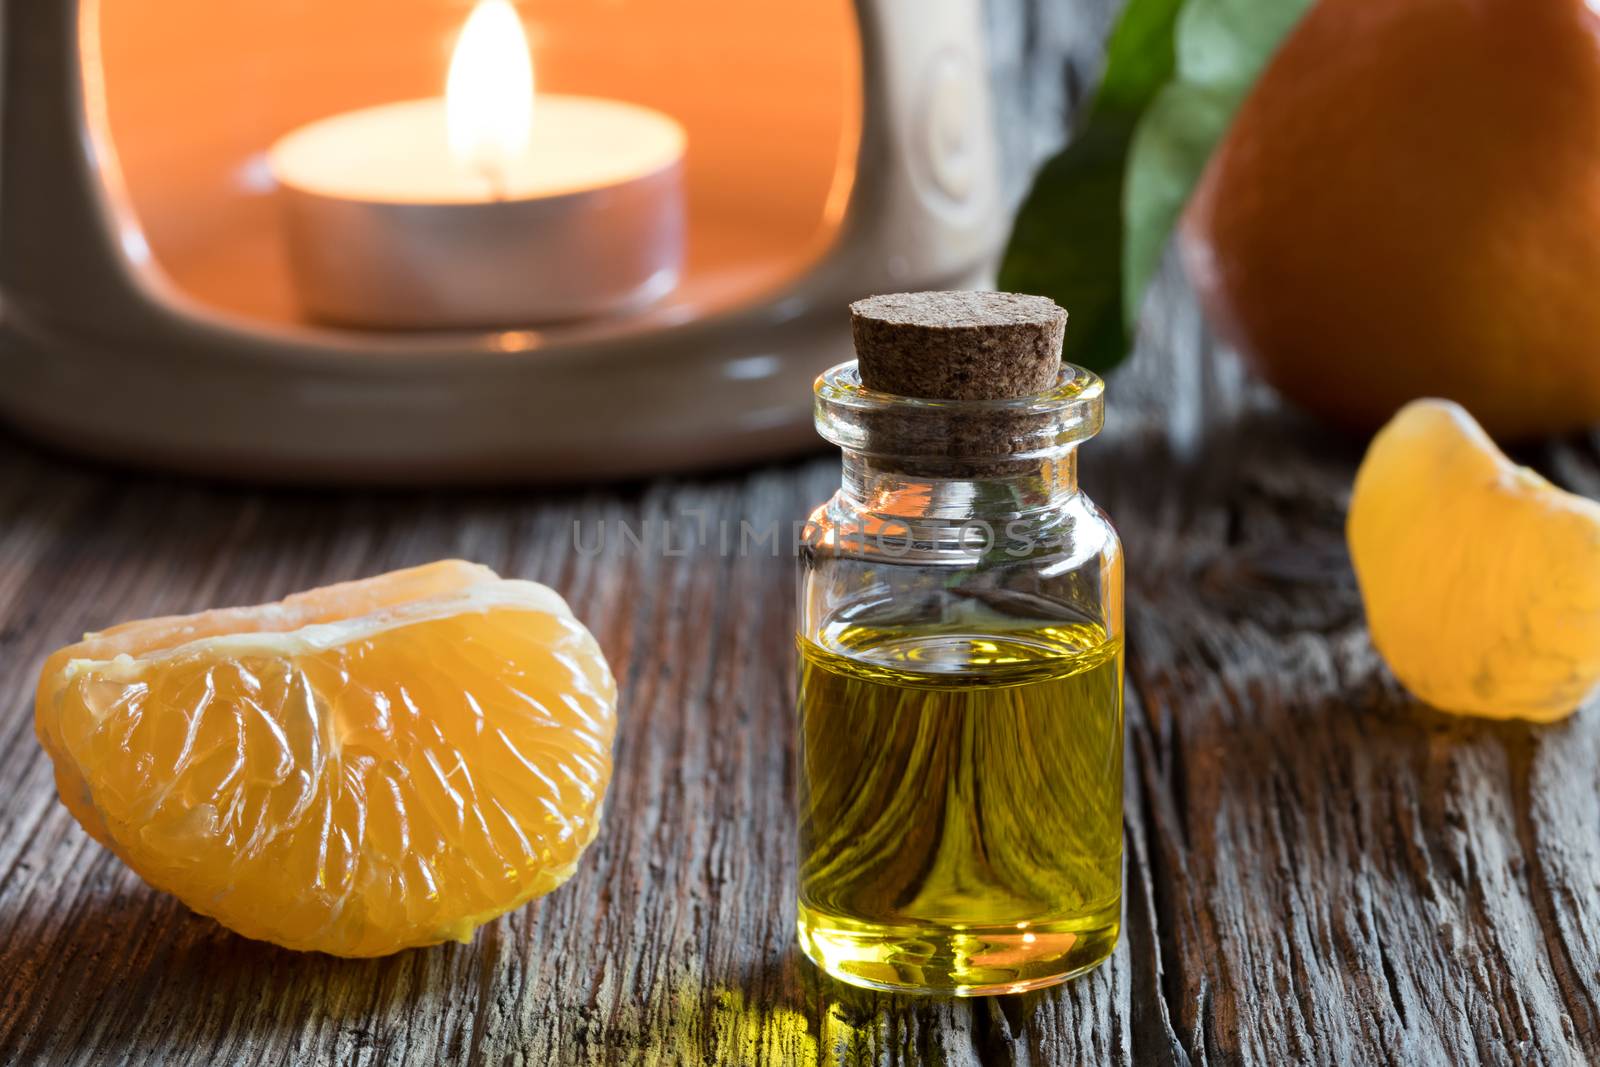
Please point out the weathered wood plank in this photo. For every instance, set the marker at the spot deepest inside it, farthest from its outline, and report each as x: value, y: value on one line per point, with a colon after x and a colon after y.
x: 674, y: 944
x: 1319, y: 871
x: 1341, y: 875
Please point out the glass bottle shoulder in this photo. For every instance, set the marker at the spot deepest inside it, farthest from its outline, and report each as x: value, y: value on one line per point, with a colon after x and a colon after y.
x: 1066, y: 531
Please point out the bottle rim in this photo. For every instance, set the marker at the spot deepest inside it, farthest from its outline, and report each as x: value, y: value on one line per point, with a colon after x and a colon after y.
x: 1039, y: 426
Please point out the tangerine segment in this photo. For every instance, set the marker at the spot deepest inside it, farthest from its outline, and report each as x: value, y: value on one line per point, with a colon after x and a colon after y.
x: 356, y: 770
x: 1481, y: 580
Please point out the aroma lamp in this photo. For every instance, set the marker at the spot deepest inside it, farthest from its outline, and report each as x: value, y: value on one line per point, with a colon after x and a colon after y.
x: 833, y: 150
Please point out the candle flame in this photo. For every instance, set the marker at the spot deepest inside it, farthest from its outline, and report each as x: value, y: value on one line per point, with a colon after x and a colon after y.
x: 489, y: 95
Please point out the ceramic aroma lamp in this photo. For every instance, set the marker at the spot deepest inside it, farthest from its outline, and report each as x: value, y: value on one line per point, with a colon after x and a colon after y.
x: 150, y: 312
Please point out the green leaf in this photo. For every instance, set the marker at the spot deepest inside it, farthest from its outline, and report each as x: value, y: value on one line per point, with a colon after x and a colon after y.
x: 1092, y: 229
x: 1068, y: 237
x: 1222, y: 46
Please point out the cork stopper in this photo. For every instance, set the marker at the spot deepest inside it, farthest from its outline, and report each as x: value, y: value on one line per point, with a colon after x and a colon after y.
x: 958, y: 345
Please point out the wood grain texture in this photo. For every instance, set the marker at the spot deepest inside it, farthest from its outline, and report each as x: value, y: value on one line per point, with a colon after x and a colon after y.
x: 1318, y: 870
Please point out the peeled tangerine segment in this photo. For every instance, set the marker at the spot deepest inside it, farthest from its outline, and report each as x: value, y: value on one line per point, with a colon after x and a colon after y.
x: 357, y: 769
x: 1481, y: 579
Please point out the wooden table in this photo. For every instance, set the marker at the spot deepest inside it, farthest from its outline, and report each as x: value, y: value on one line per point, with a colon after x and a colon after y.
x: 1318, y: 870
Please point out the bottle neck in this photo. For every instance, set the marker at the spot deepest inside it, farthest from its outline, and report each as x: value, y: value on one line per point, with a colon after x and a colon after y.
x: 1020, y: 491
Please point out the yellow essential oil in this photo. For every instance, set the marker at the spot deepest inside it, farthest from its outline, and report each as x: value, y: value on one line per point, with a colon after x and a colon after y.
x: 960, y: 795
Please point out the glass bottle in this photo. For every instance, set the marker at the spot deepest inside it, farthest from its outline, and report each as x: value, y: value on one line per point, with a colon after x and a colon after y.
x: 960, y: 700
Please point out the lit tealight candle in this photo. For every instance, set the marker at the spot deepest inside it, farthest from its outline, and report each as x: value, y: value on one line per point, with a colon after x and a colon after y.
x: 488, y: 207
